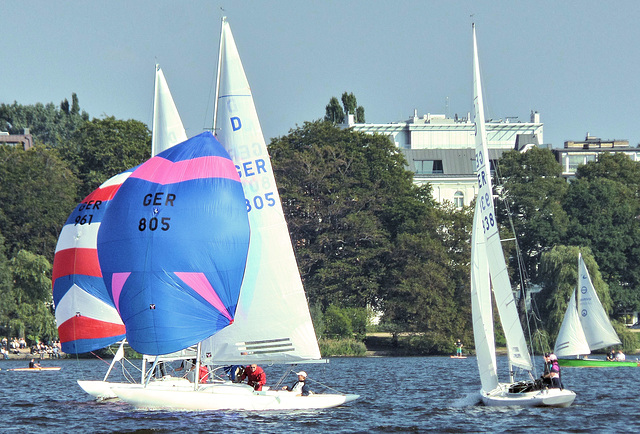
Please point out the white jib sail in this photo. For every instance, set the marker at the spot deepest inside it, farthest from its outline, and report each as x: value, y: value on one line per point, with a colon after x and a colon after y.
x: 272, y: 322
x: 571, y: 340
x: 595, y: 321
x: 481, y: 308
x: 516, y: 343
x: 167, y: 129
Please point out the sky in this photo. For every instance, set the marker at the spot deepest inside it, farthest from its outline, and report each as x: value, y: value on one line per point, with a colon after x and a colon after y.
x: 575, y: 62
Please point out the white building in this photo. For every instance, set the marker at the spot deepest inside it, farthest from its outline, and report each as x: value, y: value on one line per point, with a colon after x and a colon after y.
x: 441, y: 150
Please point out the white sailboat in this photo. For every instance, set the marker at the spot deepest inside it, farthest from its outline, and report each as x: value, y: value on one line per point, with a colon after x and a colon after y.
x: 167, y: 131
x: 586, y: 326
x: 489, y: 270
x: 272, y: 323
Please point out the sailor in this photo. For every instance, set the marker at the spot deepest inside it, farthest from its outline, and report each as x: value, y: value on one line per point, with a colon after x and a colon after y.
x: 255, y: 376
x: 459, y: 348
x: 554, y: 371
x: 33, y: 364
x: 546, y: 372
x: 300, y: 387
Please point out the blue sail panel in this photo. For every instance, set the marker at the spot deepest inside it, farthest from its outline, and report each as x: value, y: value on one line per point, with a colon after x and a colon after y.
x: 173, y: 246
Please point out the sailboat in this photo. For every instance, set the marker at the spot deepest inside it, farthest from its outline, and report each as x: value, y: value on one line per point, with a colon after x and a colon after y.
x: 489, y: 270
x: 272, y: 323
x: 86, y: 317
x: 586, y: 327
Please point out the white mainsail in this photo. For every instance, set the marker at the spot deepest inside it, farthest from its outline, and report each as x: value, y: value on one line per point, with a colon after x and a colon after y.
x: 586, y: 326
x: 516, y: 343
x: 481, y: 309
x: 272, y: 321
x: 167, y: 129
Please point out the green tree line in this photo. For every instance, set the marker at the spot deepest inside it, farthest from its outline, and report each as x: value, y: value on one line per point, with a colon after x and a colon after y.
x: 368, y: 241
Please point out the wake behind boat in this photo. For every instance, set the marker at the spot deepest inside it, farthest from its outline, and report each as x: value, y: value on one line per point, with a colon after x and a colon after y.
x: 489, y: 270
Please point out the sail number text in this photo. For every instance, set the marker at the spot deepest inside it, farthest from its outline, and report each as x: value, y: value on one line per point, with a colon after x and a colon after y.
x: 259, y: 201
x: 154, y: 223
x: 87, y: 218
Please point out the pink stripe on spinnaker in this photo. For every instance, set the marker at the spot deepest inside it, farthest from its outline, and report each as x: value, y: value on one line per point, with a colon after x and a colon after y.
x: 199, y: 283
x: 117, y: 282
x: 162, y: 171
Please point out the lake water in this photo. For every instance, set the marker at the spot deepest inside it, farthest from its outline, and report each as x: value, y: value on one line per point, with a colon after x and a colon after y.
x: 412, y: 394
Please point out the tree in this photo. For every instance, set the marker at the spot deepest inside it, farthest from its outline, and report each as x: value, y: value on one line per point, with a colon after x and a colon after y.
x: 534, y: 192
x: 105, y: 147
x: 345, y: 195
x: 26, y: 308
x: 47, y: 124
x: 334, y: 112
x: 559, y: 266
x: 603, y: 216
x: 37, y: 192
x: 337, y: 114
x: 351, y: 107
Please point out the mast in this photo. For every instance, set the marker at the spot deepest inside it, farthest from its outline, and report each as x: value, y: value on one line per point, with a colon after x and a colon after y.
x: 154, y: 137
x: 215, y: 100
x: 509, y: 318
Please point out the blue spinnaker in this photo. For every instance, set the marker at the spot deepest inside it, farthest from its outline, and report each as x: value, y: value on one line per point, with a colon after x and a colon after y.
x: 173, y: 246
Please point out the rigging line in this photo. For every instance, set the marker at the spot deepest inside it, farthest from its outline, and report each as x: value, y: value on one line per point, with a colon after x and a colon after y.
x: 520, y: 260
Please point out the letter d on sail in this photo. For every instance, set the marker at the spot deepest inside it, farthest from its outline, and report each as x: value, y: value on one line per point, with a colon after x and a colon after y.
x: 235, y: 123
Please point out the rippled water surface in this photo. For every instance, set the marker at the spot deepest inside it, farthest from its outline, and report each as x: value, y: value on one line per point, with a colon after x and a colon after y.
x: 414, y: 394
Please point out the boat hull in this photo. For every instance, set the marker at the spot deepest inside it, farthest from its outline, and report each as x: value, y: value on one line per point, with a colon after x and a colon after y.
x: 103, y: 389
x: 52, y: 368
x: 539, y: 398
x: 227, y: 396
x: 595, y: 363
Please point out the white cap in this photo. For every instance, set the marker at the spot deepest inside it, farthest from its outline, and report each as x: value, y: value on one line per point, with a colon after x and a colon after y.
x: 304, y: 374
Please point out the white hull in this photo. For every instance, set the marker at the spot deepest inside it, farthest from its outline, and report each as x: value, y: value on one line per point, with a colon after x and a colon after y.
x: 540, y: 398
x: 227, y: 396
x: 103, y: 389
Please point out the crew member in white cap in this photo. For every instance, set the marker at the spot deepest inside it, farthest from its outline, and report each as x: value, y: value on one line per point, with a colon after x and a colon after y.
x: 300, y: 387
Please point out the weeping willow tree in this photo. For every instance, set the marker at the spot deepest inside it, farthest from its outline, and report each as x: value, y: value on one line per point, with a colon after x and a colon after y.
x: 559, y: 266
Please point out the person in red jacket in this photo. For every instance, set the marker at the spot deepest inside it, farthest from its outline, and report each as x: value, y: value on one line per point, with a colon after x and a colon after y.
x: 255, y: 376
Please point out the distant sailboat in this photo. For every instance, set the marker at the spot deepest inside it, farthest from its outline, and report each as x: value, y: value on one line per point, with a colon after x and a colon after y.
x: 272, y: 323
x: 586, y: 326
x: 489, y: 270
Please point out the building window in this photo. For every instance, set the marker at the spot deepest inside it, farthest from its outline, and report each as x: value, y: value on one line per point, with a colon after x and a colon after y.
x: 428, y: 167
x: 458, y: 199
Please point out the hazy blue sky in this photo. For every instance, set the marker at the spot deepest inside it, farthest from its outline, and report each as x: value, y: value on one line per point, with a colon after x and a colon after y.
x: 576, y: 62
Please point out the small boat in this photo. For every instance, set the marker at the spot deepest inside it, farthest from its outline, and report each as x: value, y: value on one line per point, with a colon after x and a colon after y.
x: 489, y: 270
x: 597, y: 363
x: 586, y: 327
x: 40, y: 369
x: 458, y: 357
